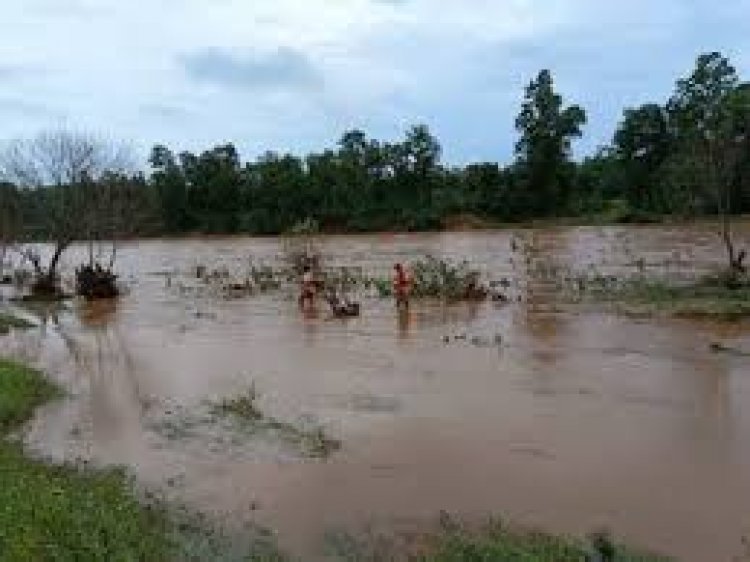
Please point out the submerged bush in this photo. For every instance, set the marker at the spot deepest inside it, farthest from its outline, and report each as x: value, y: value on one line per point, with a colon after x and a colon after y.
x: 243, y: 406
x: 442, y: 278
x: 313, y: 442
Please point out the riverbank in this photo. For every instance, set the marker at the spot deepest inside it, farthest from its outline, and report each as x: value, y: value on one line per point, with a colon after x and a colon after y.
x: 64, y: 512
x: 451, y: 224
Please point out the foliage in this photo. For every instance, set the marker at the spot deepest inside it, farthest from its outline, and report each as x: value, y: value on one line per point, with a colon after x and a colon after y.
x: 74, y: 186
x: 443, y: 278
x: 243, y: 406
x: 547, y: 130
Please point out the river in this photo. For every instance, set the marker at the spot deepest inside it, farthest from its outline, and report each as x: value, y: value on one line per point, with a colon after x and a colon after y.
x: 579, y: 419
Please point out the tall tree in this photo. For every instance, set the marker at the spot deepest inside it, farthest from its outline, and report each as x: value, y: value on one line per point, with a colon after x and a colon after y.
x: 709, y: 114
x: 10, y: 220
x: 642, y: 144
x: 63, y: 168
x: 547, y: 130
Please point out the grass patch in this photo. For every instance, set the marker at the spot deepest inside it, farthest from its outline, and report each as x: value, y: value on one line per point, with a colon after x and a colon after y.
x: 8, y: 322
x: 21, y: 391
x: 64, y: 513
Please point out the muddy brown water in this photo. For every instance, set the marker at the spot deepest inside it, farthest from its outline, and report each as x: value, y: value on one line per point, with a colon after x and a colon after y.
x: 578, y: 420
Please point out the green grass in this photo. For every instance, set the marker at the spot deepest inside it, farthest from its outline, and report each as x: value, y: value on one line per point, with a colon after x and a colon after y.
x: 8, y: 321
x: 21, y: 391
x: 64, y: 513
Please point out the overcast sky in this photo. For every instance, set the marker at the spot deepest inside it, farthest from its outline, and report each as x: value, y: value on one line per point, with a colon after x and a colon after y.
x: 291, y: 75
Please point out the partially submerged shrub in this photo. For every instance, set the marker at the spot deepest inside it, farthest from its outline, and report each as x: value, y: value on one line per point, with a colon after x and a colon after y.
x: 96, y: 282
x: 314, y: 442
x: 443, y: 278
x: 244, y: 406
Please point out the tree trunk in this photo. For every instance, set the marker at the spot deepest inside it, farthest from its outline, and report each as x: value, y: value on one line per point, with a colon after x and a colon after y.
x: 54, y: 262
x: 113, y: 255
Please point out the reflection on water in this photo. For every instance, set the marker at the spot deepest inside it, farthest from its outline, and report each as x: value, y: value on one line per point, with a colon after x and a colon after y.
x: 576, y: 421
x: 404, y: 316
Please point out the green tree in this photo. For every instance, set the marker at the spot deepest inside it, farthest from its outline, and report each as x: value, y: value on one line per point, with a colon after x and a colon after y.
x: 171, y: 190
x: 547, y: 130
x: 709, y: 116
x: 642, y: 144
x: 10, y: 219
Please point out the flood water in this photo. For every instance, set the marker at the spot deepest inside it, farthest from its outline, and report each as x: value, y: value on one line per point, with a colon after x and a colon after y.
x: 578, y: 420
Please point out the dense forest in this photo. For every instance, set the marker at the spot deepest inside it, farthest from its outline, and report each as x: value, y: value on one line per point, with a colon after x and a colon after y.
x: 687, y: 155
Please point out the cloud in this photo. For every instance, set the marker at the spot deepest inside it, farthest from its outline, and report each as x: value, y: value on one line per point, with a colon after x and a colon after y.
x: 67, y: 8
x: 164, y: 111
x: 181, y: 71
x: 17, y: 107
x: 283, y: 68
x: 12, y: 71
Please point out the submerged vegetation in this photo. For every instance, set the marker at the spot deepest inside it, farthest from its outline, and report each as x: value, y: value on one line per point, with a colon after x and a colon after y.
x: 243, y: 406
x: 702, y: 299
x: 313, y: 442
x: 496, y: 542
x: 723, y: 295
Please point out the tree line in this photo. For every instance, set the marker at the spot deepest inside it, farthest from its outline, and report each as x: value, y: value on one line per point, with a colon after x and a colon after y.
x: 687, y: 155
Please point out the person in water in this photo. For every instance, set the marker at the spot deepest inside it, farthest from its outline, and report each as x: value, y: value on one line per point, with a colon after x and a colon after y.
x: 401, y: 285
x: 308, y: 289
